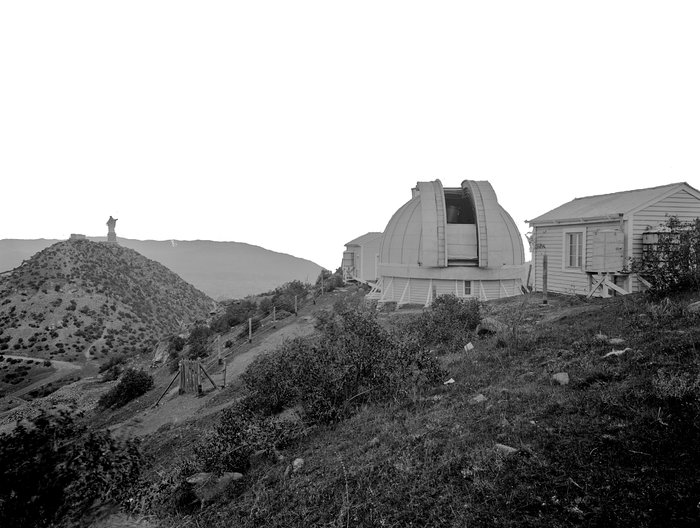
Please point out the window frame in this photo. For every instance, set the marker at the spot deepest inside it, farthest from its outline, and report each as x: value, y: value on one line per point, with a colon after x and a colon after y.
x: 566, y: 253
x: 464, y: 288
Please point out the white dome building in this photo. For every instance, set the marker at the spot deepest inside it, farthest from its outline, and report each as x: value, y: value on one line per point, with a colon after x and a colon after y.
x: 450, y: 240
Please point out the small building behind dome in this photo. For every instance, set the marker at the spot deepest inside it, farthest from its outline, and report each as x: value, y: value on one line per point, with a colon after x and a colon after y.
x: 361, y: 258
x: 450, y: 240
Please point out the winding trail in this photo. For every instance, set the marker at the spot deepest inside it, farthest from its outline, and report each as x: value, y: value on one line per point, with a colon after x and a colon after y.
x: 176, y: 408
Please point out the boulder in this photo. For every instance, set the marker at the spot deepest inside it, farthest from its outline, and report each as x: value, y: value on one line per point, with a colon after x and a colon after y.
x: 479, y: 398
x: 489, y: 325
x: 562, y: 378
x: 199, y: 479
x: 297, y: 464
x: 227, y: 478
x: 505, y: 449
x: 616, y: 341
x: 468, y: 347
x: 617, y: 352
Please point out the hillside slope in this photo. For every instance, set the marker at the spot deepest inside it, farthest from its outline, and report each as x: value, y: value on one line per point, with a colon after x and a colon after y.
x: 578, y: 413
x: 222, y: 270
x: 79, y: 299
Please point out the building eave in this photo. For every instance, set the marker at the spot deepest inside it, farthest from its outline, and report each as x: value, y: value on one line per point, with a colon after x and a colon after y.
x: 577, y: 221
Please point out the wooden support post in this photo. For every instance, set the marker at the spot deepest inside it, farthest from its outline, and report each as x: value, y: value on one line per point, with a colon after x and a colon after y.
x: 296, y: 311
x: 274, y: 317
x: 544, y: 278
x: 223, y: 383
x: 208, y: 377
x: 218, y: 349
x: 177, y: 375
x: 250, y: 330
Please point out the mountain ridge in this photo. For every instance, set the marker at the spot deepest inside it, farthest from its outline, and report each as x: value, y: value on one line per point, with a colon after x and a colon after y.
x: 221, y: 269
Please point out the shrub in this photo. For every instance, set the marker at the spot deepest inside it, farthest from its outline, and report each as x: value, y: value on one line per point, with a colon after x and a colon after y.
x: 133, y: 384
x: 354, y: 361
x: 283, y: 297
x: 236, y: 314
x: 113, y: 361
x: 329, y: 281
x: 197, y: 340
x: 447, y: 325
x: 57, y: 471
x: 674, y: 264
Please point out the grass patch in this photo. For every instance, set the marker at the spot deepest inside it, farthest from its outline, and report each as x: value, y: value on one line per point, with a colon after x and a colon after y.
x: 617, y: 446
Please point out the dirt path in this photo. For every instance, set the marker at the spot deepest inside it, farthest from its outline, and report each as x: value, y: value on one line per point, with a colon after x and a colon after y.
x: 63, y: 369
x: 176, y: 408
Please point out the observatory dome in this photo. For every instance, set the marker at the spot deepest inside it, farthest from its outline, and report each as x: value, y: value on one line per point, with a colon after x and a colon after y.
x: 451, y: 240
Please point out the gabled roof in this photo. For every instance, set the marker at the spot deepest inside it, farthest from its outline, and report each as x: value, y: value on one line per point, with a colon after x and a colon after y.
x: 364, y: 239
x: 613, y: 205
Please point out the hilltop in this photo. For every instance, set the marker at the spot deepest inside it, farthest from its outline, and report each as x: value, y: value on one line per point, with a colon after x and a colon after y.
x: 78, y: 300
x: 222, y: 270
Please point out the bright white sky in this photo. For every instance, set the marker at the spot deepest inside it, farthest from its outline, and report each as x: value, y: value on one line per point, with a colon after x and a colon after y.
x: 300, y: 125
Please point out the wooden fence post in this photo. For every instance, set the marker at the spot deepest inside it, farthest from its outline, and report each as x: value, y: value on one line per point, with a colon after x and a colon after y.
x: 544, y: 278
x: 250, y: 330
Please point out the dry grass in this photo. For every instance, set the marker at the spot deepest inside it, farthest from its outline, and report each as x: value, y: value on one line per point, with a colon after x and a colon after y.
x: 617, y: 446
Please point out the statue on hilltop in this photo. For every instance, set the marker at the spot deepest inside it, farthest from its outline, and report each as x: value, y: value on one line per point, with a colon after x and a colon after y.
x: 111, y: 235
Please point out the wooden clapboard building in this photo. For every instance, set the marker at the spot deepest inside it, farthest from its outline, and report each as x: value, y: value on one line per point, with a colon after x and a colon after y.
x: 361, y: 258
x: 449, y: 240
x: 589, y: 241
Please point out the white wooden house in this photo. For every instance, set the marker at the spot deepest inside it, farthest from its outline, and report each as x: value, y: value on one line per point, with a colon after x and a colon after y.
x: 456, y: 240
x: 589, y: 241
x: 361, y: 258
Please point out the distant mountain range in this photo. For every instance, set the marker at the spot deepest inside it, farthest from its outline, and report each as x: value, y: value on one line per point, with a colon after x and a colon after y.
x: 222, y: 270
x: 82, y: 300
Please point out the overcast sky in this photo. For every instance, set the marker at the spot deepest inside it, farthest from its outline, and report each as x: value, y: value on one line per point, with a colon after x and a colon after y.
x: 298, y: 126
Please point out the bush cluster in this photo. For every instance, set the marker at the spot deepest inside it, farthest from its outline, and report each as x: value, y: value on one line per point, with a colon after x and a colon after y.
x: 235, y: 314
x: 113, y: 367
x: 329, y: 281
x: 240, y: 433
x: 674, y: 264
x: 354, y: 360
x: 55, y: 471
x: 197, y: 341
x: 132, y: 384
x: 446, y: 326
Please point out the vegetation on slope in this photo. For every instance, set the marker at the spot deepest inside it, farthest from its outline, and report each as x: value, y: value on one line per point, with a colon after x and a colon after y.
x: 80, y: 298
x: 616, y: 446
x: 55, y: 472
